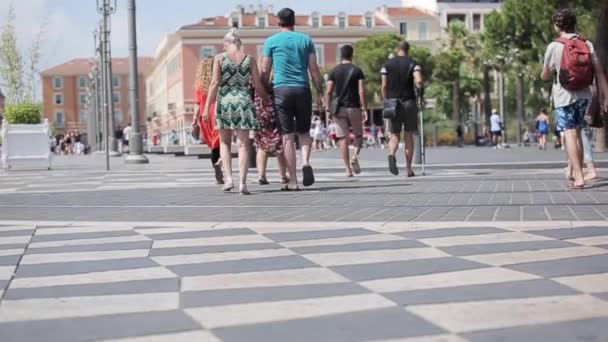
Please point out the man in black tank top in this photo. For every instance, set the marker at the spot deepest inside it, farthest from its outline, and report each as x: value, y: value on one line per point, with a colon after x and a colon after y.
x: 402, y: 80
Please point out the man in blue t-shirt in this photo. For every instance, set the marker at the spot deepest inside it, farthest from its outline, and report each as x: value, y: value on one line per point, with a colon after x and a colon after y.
x: 292, y: 55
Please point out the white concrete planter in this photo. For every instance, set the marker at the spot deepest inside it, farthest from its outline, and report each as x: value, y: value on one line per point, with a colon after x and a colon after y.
x: 26, y: 146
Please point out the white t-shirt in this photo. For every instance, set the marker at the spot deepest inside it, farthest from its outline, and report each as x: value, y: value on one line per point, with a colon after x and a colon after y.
x: 495, y: 123
x: 553, y: 60
x: 126, y: 133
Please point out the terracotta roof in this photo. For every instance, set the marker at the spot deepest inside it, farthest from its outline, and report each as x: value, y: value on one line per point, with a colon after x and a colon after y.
x: 82, y: 66
x: 329, y: 20
x: 302, y: 20
x: 355, y: 20
x: 406, y: 12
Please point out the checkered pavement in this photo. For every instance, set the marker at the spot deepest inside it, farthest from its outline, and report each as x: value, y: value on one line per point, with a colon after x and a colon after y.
x: 450, y: 282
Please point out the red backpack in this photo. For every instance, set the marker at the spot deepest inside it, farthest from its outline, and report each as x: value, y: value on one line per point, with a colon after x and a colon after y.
x: 576, y: 71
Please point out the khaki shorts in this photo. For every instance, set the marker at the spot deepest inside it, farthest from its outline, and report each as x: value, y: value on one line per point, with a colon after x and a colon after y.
x: 349, y: 118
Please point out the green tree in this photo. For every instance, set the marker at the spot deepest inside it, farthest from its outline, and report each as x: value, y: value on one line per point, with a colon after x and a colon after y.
x: 18, y: 70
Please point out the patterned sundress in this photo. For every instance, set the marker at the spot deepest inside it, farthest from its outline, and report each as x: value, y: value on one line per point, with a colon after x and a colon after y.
x: 268, y: 138
x: 235, y: 107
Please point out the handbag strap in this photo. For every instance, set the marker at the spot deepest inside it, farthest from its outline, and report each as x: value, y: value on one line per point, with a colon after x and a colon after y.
x: 349, y: 77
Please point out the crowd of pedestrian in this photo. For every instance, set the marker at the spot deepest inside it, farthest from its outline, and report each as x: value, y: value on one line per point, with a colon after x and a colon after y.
x: 68, y: 144
x: 271, y: 102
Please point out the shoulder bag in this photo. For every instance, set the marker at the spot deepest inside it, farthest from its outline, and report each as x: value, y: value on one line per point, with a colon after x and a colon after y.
x: 393, y: 106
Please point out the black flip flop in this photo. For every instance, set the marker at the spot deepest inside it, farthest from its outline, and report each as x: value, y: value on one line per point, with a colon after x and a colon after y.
x: 392, y: 165
x: 309, y: 176
x: 287, y: 188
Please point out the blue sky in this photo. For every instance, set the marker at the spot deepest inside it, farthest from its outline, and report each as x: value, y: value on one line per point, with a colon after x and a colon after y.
x: 70, y: 23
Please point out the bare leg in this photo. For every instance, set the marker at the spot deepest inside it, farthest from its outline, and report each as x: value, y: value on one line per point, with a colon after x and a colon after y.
x: 345, y: 156
x: 305, y: 143
x: 242, y: 137
x: 575, y: 155
x: 393, y: 143
x: 290, y: 157
x: 262, y: 163
x: 226, y: 155
x: 409, y: 152
x: 282, y: 165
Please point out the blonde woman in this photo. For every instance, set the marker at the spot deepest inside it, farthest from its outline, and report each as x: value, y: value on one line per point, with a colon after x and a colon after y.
x: 233, y: 71
x: 207, y: 127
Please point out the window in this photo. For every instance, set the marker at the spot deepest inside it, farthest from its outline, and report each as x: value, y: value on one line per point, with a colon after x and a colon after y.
x: 58, y: 82
x: 117, y: 117
x: 59, y: 99
x: 262, y: 22
x: 83, y: 116
x: 116, y: 81
x: 320, y: 50
x: 315, y: 22
x: 476, y: 22
x: 174, y: 65
x: 83, y: 82
x: 116, y: 97
x: 83, y: 99
x: 207, y: 51
x: 460, y: 17
x: 369, y: 22
x: 342, y: 22
x: 59, y: 119
x: 403, y: 29
x: 235, y: 22
x: 423, y: 30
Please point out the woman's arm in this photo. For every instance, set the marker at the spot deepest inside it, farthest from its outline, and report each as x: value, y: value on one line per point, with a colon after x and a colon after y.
x: 216, y: 79
x: 257, y: 82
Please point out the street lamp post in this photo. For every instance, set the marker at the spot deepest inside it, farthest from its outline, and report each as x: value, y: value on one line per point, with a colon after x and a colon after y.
x: 136, y: 155
x: 107, y: 8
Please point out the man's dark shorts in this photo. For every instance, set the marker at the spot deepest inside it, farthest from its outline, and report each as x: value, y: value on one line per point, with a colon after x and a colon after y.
x: 406, y: 119
x: 294, y: 109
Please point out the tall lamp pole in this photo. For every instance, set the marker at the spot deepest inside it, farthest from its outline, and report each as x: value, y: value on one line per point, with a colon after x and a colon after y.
x: 136, y: 155
x: 107, y: 8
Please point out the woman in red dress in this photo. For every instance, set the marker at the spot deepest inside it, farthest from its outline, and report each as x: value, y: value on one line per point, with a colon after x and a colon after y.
x: 206, y: 125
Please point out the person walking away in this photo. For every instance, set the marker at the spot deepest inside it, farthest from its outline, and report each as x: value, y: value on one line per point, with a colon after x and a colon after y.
x: 207, y: 128
x: 268, y: 138
x: 292, y: 55
x: 460, y: 135
x: 570, y: 61
x: 349, y: 107
x: 402, y: 80
x: 542, y: 122
x: 332, y: 132
x: 318, y: 134
x: 496, y: 127
x: 126, y: 136
x: 233, y: 71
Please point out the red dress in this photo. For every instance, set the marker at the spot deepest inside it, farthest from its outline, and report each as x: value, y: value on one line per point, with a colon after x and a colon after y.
x: 209, y: 133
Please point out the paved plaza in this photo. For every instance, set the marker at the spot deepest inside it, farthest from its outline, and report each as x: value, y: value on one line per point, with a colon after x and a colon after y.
x: 157, y: 253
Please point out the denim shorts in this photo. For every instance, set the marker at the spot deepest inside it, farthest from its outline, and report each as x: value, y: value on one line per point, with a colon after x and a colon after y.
x: 572, y: 116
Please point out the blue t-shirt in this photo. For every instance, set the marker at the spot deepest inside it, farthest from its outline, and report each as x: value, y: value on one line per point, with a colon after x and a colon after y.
x: 289, y: 52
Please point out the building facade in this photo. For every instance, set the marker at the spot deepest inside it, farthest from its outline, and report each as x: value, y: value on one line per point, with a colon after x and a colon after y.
x: 471, y: 12
x: 67, y: 93
x: 170, y: 83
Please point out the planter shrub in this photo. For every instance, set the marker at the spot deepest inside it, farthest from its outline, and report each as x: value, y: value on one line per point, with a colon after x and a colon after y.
x: 23, y: 113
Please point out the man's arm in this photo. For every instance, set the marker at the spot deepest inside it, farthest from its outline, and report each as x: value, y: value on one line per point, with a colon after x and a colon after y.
x: 363, y: 97
x: 419, y: 82
x: 331, y: 86
x: 384, y: 90
x: 602, y: 84
x: 548, y: 66
x: 266, y: 70
x: 315, y: 73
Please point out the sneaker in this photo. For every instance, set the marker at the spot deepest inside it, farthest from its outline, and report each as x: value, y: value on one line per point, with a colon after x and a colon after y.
x: 392, y: 165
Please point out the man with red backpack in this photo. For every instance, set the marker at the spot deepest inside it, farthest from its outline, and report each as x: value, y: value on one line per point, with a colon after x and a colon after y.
x: 571, y: 62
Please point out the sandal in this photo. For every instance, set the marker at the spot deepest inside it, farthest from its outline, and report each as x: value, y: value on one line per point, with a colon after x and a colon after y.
x: 263, y: 181
x: 228, y: 187
x: 309, y: 176
x: 244, y: 191
x: 285, y: 180
x: 392, y: 165
x: 411, y: 174
x: 568, y: 173
x: 287, y: 188
x: 577, y: 187
x: 354, y: 164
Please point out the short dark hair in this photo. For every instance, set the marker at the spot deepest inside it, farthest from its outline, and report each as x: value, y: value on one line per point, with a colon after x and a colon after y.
x: 347, y: 52
x: 565, y: 20
x: 544, y: 111
x: 404, y: 46
x: 287, y: 17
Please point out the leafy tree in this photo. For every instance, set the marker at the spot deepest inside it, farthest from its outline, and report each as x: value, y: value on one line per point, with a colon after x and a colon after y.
x: 18, y: 70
